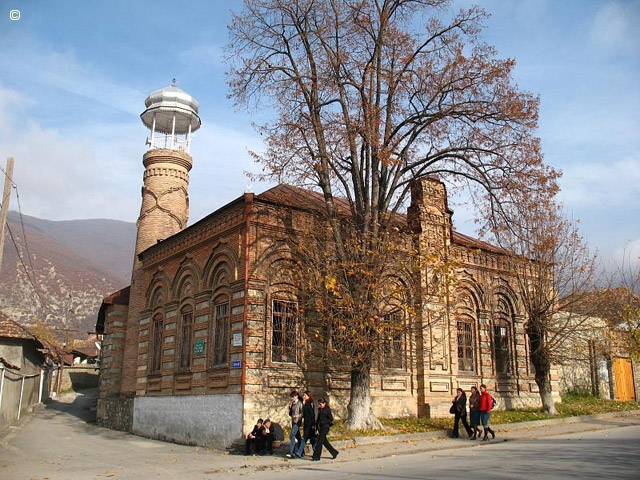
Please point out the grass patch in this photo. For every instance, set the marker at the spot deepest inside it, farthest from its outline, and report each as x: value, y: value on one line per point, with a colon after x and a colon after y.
x: 572, y: 405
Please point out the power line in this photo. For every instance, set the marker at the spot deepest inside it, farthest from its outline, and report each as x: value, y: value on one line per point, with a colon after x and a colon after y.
x: 5, y: 174
x: 31, y: 281
x: 43, y: 305
x: 24, y: 234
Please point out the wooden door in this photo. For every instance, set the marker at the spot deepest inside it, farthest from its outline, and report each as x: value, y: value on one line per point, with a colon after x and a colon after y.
x: 623, y: 375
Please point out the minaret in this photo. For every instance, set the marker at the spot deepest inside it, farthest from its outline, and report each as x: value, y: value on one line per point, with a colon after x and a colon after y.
x: 171, y: 116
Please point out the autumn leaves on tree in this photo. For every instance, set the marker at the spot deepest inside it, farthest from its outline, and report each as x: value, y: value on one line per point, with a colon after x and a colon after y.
x: 366, y: 97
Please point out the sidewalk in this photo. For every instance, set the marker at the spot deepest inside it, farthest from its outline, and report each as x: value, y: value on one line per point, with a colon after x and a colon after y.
x: 59, y: 442
x: 440, y: 439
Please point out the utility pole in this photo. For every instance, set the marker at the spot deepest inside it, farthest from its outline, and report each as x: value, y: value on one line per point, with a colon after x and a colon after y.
x: 6, y: 196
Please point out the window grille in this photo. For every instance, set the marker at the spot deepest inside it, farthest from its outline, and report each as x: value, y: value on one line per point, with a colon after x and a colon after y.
x: 156, y: 355
x: 392, y: 344
x: 465, y: 346
x: 502, y: 350
x: 284, y: 331
x: 185, y: 338
x: 221, y: 334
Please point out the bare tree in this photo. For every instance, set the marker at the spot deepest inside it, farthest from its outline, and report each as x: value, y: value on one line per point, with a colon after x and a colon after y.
x: 371, y: 94
x: 619, y: 303
x: 556, y: 274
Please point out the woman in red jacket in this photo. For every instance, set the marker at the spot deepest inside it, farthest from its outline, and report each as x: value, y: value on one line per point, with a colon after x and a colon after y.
x: 486, y: 403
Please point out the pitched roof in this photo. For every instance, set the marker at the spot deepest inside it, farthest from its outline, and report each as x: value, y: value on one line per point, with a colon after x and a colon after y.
x: 121, y: 297
x: 309, y: 200
x: 301, y: 199
x: 11, y: 329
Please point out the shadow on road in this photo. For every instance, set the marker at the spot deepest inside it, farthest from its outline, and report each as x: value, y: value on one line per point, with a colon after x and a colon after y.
x: 83, y: 406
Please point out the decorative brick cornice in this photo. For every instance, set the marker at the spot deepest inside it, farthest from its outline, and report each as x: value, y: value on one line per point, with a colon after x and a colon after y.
x: 166, y: 172
x: 162, y: 155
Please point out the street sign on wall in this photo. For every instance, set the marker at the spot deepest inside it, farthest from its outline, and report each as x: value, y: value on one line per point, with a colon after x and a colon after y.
x: 198, y: 347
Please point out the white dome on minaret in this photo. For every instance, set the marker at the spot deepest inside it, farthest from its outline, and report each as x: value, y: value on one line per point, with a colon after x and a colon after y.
x: 172, y: 117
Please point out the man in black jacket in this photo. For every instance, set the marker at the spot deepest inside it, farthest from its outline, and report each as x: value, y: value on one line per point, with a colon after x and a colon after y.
x: 254, y: 438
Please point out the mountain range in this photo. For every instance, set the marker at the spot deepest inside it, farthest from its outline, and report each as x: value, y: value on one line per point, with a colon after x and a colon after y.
x: 58, y: 272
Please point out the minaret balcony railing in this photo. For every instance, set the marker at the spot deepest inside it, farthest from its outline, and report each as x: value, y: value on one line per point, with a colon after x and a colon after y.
x: 169, y: 142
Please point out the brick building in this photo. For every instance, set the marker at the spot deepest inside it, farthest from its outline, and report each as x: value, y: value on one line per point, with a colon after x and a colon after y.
x: 194, y: 350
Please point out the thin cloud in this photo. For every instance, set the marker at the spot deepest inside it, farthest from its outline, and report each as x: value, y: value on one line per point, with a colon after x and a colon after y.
x: 610, y: 185
x: 220, y: 158
x: 45, y: 69
x: 615, y: 29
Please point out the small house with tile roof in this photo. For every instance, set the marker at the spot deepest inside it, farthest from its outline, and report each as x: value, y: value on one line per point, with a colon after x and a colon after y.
x: 27, y: 367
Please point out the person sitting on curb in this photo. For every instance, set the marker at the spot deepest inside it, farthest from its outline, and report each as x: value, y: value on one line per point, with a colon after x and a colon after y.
x: 254, y: 438
x: 267, y: 437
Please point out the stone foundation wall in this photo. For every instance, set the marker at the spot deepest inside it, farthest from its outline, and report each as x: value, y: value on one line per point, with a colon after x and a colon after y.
x: 115, y: 413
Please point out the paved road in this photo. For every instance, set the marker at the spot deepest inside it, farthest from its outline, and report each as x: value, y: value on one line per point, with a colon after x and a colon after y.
x: 60, y: 442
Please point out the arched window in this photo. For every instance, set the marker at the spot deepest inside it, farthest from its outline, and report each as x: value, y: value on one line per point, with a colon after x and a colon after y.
x: 186, y: 331
x: 466, y: 341
x: 392, y: 340
x: 156, y: 348
x: 466, y: 330
x: 220, y: 339
x: 502, y: 320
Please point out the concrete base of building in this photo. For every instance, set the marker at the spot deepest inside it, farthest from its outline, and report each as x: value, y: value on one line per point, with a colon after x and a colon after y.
x: 213, y: 421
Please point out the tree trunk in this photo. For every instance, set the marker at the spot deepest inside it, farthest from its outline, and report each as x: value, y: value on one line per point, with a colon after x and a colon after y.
x: 359, y: 413
x: 540, y: 359
x: 546, y: 394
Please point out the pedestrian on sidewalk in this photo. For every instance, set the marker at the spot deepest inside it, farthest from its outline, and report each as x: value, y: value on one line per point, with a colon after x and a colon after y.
x: 459, y: 407
x: 295, y: 412
x: 474, y: 412
x: 486, y: 404
x: 324, y: 421
x: 308, y: 422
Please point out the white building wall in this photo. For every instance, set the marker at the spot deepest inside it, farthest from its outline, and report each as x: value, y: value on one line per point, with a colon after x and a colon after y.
x: 205, y: 420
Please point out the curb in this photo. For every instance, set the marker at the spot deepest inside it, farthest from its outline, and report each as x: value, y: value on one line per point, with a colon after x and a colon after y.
x: 505, y: 427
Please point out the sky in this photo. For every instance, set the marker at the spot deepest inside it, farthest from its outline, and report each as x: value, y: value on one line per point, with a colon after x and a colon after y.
x: 74, y: 75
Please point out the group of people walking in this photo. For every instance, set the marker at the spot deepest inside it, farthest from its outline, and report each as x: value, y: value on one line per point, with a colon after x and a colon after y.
x: 480, y: 405
x: 314, y: 427
x: 309, y: 426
